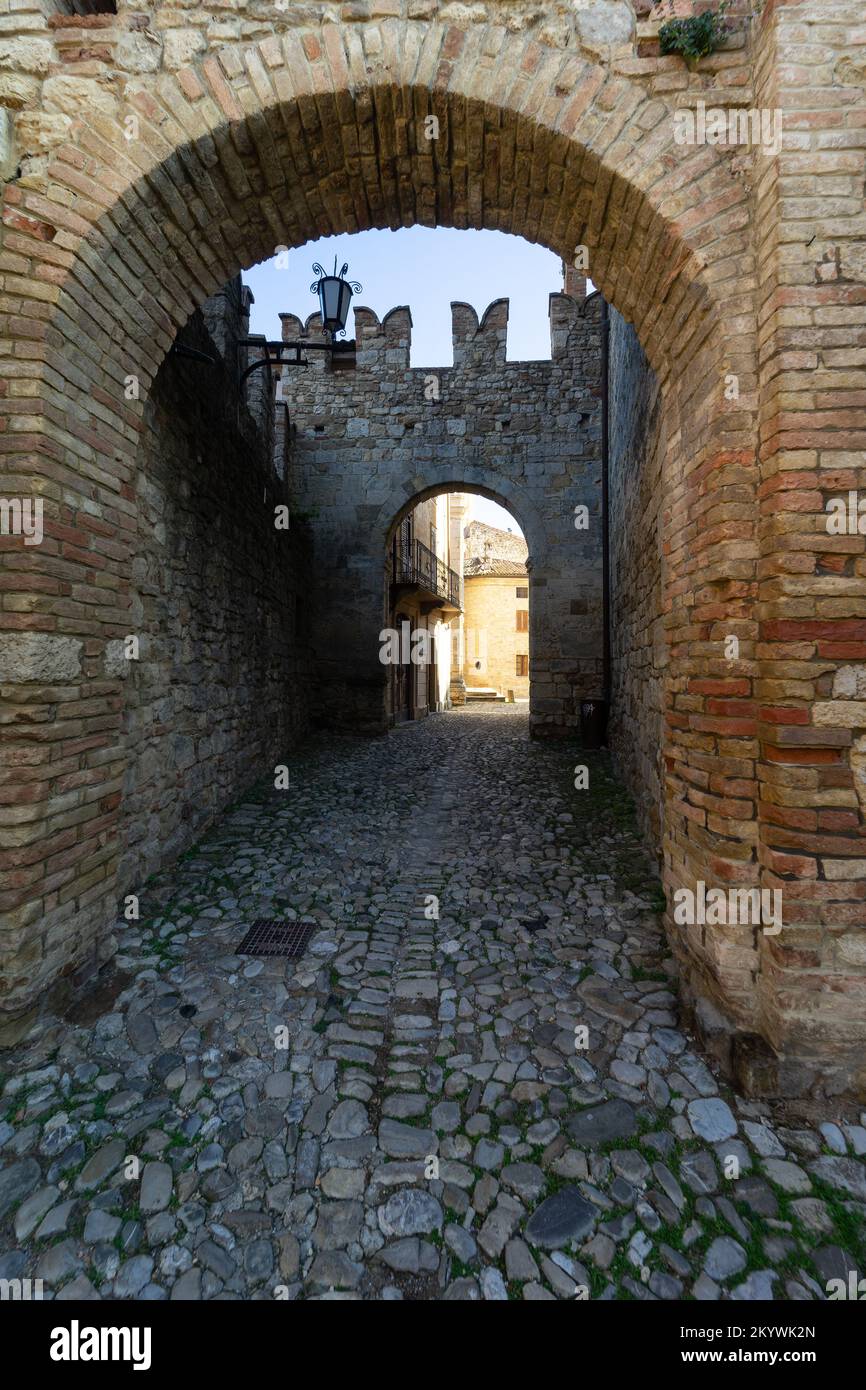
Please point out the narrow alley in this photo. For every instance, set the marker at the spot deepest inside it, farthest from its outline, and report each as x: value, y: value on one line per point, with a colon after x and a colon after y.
x: 471, y: 1083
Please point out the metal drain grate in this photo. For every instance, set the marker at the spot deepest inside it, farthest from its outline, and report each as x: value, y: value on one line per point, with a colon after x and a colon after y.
x: 271, y: 936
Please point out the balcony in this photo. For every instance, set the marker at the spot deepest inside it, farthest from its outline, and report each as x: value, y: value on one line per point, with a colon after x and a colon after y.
x: 417, y: 570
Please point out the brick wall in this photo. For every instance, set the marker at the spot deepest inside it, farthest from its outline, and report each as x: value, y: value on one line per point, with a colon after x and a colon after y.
x: 812, y: 612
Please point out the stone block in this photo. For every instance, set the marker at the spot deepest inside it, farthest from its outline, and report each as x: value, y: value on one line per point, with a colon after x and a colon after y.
x: 39, y: 656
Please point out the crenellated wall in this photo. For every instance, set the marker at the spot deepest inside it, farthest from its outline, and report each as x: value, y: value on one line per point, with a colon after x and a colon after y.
x: 370, y: 435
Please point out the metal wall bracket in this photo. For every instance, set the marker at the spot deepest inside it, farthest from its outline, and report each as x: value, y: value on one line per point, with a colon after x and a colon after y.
x: 183, y: 350
x: 275, y: 353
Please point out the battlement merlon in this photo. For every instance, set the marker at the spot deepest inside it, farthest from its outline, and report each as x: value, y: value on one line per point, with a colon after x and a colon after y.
x: 295, y: 327
x: 565, y: 314
x: 386, y: 344
x: 295, y: 330
x: 481, y: 344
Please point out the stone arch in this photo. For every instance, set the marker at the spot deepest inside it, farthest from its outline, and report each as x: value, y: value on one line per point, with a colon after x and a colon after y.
x: 471, y: 479
x: 313, y: 131
x: 410, y: 493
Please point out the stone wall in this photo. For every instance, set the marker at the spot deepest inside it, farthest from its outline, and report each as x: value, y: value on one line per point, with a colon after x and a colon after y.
x: 491, y: 542
x: 638, y: 649
x: 370, y: 438
x: 219, y: 691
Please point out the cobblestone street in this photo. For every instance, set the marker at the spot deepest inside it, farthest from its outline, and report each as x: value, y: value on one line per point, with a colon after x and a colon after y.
x: 408, y: 1110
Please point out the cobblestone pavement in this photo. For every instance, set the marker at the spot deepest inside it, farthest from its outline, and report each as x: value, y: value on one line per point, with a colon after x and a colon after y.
x: 409, y: 1110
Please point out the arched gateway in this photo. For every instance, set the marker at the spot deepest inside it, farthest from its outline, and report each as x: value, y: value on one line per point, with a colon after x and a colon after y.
x: 150, y: 164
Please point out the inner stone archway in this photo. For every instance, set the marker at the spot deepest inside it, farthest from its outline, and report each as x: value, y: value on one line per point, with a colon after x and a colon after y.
x: 458, y: 587
x: 526, y: 433
x: 156, y: 191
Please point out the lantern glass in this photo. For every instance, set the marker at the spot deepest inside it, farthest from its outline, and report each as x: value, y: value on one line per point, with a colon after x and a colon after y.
x: 335, y: 296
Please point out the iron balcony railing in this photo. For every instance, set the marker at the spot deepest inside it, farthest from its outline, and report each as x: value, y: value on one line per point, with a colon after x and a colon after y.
x: 414, y: 563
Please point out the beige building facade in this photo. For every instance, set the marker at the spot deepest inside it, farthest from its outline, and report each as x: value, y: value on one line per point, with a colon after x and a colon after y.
x: 457, y: 611
x: 496, y: 648
x: 495, y: 614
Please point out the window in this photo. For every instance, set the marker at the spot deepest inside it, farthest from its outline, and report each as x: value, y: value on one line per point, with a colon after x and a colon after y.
x: 521, y: 593
x: 522, y: 668
x: 523, y: 620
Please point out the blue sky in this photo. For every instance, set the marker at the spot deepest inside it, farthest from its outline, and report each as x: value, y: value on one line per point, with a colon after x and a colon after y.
x: 425, y: 268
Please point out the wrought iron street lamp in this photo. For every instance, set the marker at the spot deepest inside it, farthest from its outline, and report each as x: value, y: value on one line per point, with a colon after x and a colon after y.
x: 335, y: 295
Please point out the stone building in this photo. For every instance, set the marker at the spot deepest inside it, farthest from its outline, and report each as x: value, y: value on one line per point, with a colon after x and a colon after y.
x: 467, y: 588
x: 368, y: 438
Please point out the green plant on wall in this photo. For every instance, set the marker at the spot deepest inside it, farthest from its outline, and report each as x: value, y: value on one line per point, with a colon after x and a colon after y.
x: 299, y: 515
x: 695, y: 37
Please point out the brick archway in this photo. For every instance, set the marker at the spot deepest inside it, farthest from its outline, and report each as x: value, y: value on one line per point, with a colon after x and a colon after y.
x: 113, y: 241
